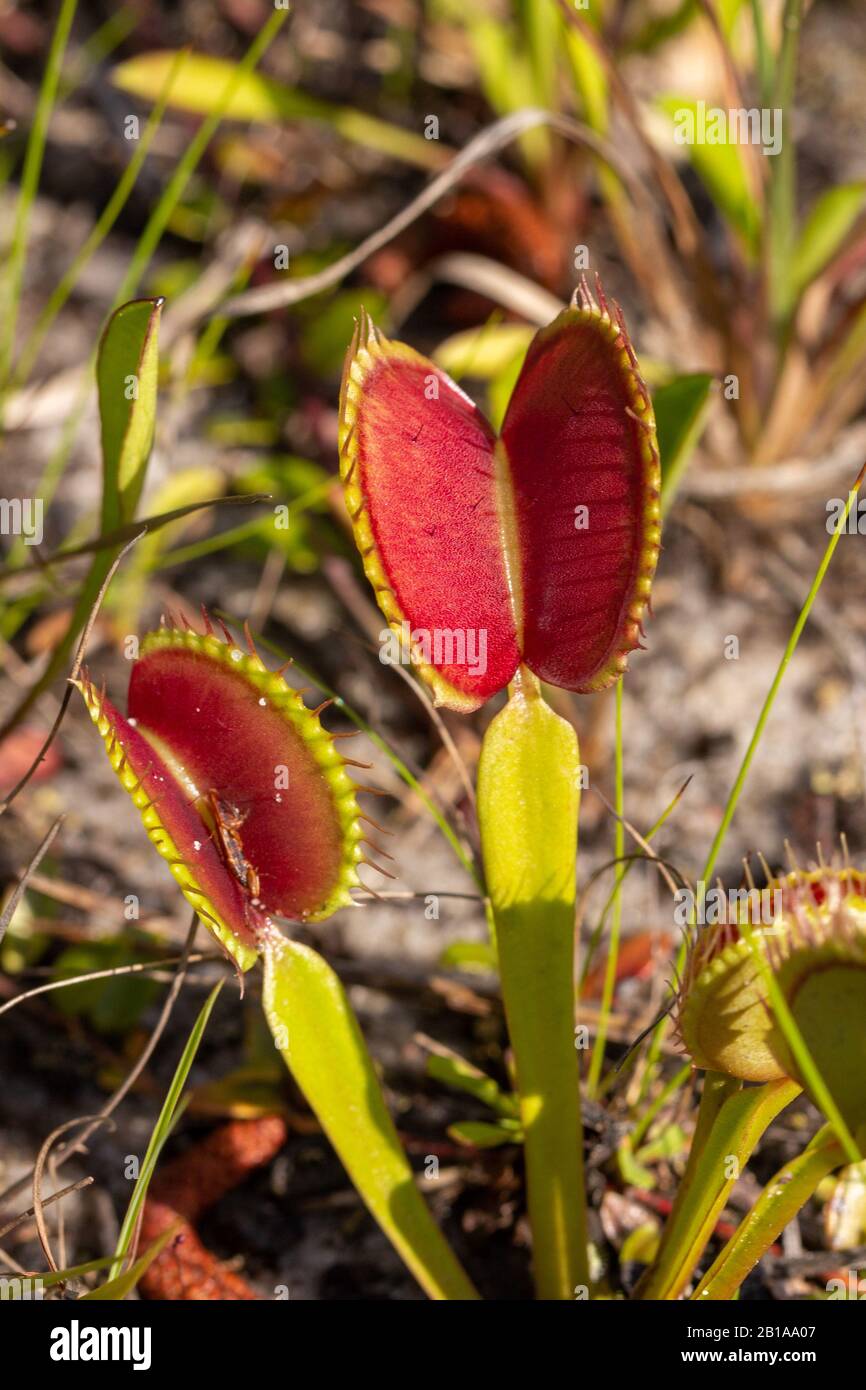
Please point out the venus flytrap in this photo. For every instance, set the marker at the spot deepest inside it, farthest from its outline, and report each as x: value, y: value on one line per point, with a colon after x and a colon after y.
x: 782, y: 1006
x: 245, y: 794
x: 788, y: 1000
x: 545, y: 536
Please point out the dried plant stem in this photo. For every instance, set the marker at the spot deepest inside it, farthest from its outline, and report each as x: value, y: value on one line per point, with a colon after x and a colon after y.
x: 76, y: 1145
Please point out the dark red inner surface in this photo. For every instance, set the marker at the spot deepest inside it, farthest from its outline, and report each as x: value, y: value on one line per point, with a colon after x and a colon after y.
x: 230, y: 741
x: 182, y: 822
x: 571, y: 443
x: 426, y: 470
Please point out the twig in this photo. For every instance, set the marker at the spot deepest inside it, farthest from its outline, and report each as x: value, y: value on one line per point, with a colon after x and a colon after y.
x: 794, y: 475
x: 661, y: 864
x: 12, y: 906
x: 487, y: 142
x: 139, y: 968
x: 7, y: 1259
x: 46, y: 1202
x: 500, y: 283
x: 75, y: 1146
x: 38, y: 1170
x: 134, y: 530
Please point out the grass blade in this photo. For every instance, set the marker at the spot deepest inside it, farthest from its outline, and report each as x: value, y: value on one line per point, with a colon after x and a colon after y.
x: 616, y: 920
x: 147, y: 244
x: 680, y: 408
x: 30, y: 182
x: 258, y: 98
x: 117, y: 1289
x: 127, y: 365
x: 126, y: 378
x: 161, y: 1131
x: 104, y: 224
x: 830, y: 219
x: 783, y: 182
x: 757, y: 734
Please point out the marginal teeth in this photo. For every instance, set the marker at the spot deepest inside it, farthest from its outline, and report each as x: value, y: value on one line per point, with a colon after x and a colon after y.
x: 815, y: 949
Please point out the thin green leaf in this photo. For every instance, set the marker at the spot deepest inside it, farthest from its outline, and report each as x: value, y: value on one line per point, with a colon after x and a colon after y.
x: 830, y: 219
x: 783, y: 173
x: 186, y: 492
x: 316, y: 1032
x: 670, y: 1143
x: 255, y: 97
x: 62, y: 1276
x: 590, y: 79
x: 623, y: 872
x: 757, y: 735
x: 126, y: 378
x: 729, y: 13
x: 460, y: 1075
x: 681, y: 408
x: 220, y: 103
x: 540, y: 24
x: 764, y: 59
x: 485, y: 1136
x: 145, y: 247
x: 505, y: 73
x: 722, y: 170
x: 161, y: 1131
x: 126, y: 368
x: 649, y: 1112
x: 469, y: 955
x: 501, y: 388
x: 30, y: 183
x: 107, y: 219
x: 483, y: 352
x: 790, y: 648
x: 609, y: 985
x: 117, y: 1289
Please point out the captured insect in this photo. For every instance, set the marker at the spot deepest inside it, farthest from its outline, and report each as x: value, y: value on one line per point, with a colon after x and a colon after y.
x: 227, y: 821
